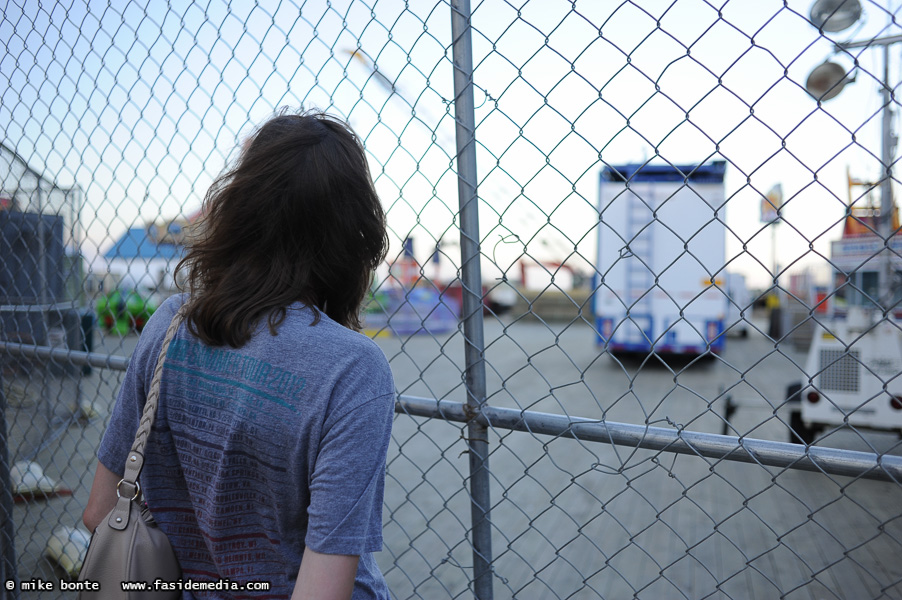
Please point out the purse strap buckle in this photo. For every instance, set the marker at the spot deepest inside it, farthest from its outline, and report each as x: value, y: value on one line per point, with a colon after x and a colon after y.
x: 137, y: 488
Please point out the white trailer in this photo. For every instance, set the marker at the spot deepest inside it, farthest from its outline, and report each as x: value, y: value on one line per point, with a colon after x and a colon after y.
x: 855, y: 358
x: 660, y: 283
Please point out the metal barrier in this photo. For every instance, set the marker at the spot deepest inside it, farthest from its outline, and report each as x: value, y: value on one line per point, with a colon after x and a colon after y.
x: 590, y: 403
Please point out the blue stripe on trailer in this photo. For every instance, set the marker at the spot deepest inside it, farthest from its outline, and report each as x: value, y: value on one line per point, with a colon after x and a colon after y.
x: 712, y: 172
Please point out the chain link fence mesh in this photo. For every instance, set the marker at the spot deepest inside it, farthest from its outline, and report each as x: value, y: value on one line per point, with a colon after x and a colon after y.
x: 637, y: 163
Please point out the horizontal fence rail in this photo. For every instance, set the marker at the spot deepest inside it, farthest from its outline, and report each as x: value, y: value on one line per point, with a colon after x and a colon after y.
x: 832, y: 461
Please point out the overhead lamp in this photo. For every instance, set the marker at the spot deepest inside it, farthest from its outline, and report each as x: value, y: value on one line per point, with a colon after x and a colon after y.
x: 835, y: 15
x: 826, y: 81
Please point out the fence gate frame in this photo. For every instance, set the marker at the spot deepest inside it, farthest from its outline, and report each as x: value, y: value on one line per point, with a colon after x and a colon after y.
x: 478, y: 416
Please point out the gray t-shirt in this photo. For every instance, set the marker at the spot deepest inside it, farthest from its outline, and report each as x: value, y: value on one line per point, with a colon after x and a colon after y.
x: 258, y: 452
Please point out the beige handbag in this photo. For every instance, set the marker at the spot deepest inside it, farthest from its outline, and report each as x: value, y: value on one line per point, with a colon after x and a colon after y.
x: 128, y: 546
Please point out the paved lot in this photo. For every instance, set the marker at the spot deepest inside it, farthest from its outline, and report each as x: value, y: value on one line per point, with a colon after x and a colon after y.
x: 591, y: 520
x: 571, y: 519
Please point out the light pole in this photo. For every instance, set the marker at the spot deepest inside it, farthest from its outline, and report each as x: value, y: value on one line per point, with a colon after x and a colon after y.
x: 826, y: 81
x: 888, y: 142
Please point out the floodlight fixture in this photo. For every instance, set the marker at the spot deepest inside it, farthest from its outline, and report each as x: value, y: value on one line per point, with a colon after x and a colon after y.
x: 826, y: 81
x: 835, y: 15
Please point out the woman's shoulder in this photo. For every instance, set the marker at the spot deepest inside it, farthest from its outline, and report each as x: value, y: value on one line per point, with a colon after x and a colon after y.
x: 158, y: 322
x: 353, y: 342
x: 339, y: 349
x: 151, y: 340
x: 168, y: 308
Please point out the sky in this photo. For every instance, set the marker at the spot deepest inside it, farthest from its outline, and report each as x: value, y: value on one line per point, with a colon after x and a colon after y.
x: 141, y: 106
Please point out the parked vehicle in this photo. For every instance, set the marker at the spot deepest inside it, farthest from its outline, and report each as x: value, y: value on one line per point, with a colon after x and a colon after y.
x: 854, y: 361
x: 661, y: 248
x: 854, y: 366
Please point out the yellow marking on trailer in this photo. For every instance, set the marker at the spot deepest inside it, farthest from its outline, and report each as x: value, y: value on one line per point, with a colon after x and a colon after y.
x: 707, y: 282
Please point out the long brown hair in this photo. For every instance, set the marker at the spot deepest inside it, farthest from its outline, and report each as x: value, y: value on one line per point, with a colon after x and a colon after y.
x: 297, y: 219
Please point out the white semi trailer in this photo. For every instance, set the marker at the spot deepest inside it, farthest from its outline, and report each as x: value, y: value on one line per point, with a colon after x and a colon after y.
x: 660, y: 284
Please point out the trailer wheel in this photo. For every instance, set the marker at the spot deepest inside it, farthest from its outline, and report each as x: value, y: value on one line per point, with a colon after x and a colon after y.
x: 797, y: 429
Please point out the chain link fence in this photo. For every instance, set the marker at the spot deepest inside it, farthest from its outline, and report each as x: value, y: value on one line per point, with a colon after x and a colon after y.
x: 642, y: 302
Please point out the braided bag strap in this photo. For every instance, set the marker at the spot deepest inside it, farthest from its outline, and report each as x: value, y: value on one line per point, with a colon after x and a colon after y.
x: 135, y: 460
x: 153, y: 396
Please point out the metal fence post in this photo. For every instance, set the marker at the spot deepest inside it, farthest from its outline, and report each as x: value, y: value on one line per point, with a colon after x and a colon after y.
x: 7, y: 528
x: 471, y: 281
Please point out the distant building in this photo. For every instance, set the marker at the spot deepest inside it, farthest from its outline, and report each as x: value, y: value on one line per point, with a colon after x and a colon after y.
x: 144, y: 258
